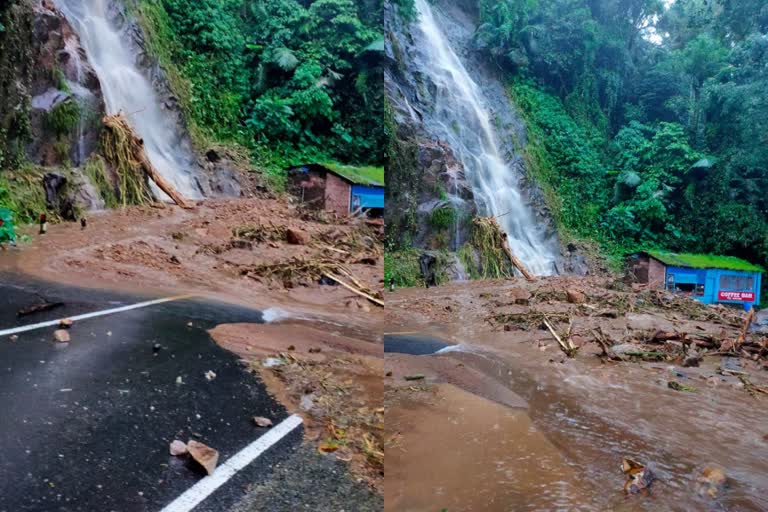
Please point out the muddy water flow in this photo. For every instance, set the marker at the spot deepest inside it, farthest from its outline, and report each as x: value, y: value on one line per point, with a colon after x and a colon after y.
x: 594, y: 415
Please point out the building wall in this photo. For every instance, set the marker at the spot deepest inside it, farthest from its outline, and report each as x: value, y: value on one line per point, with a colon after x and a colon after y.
x: 309, y: 187
x: 337, y: 194
x: 656, y: 273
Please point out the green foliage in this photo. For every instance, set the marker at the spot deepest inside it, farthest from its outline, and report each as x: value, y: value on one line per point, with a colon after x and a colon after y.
x: 292, y: 81
x: 96, y: 170
x: 442, y: 219
x: 623, y: 100
x: 63, y: 118
x: 403, y: 266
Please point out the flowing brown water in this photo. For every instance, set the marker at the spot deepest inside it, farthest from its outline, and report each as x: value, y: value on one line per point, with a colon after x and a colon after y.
x: 581, y: 420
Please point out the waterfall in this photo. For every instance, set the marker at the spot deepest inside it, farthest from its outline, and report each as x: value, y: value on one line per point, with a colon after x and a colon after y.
x: 126, y: 89
x: 462, y: 120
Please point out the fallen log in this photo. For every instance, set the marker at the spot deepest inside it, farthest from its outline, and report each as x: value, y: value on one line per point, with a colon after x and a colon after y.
x: 353, y: 289
x: 516, y: 262
x: 119, y: 126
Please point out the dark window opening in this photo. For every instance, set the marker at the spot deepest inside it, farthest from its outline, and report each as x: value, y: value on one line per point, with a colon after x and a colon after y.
x: 737, y: 283
x: 687, y: 288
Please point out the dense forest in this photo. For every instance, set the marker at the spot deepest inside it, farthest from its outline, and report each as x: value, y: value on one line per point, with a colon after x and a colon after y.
x: 648, y: 118
x: 290, y: 79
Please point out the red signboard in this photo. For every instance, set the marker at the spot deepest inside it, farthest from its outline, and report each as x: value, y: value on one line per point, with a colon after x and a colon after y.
x: 741, y: 296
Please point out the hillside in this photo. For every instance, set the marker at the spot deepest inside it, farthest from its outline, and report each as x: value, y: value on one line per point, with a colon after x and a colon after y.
x: 642, y: 121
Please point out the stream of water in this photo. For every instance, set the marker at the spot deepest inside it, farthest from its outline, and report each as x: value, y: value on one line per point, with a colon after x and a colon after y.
x: 464, y: 122
x: 126, y: 89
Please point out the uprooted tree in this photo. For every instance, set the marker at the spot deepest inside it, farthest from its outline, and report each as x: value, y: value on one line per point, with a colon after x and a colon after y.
x: 124, y: 151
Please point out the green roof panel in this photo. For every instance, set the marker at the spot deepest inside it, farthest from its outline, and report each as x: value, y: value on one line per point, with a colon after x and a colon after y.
x: 705, y: 261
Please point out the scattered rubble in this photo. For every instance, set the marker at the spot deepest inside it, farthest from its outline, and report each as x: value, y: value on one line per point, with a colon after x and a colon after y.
x: 204, y: 455
x: 61, y: 335
x: 178, y: 448
x: 639, y: 477
x: 261, y: 421
x: 66, y: 323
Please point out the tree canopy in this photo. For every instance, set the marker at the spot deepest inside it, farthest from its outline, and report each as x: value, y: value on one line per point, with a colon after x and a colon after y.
x: 651, y: 116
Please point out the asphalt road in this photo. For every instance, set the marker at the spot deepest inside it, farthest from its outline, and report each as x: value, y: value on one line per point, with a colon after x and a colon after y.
x: 85, y: 426
x: 413, y: 344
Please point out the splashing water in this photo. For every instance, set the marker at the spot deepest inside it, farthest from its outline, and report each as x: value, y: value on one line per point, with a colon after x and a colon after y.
x: 126, y: 89
x: 464, y: 123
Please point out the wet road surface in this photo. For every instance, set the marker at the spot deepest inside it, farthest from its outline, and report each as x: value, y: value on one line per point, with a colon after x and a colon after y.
x: 412, y: 344
x: 85, y: 426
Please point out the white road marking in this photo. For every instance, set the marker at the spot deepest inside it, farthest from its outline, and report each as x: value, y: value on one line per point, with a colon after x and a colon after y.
x: 95, y: 314
x: 196, y: 494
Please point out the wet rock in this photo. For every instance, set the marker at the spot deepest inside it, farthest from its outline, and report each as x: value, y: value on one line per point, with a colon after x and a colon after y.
x: 66, y: 323
x: 178, y: 448
x: 307, y: 402
x: 639, y: 477
x: 519, y: 296
x: 261, y: 421
x: 61, y: 335
x: 575, y: 297
x: 296, y: 237
x: 204, y: 455
x: 711, y: 481
x: 692, y: 358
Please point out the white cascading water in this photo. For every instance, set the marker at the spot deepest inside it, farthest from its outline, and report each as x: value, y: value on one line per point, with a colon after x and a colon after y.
x: 464, y: 124
x: 126, y: 89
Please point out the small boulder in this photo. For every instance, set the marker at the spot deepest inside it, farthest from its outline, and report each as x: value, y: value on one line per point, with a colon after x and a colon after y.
x: 203, y: 455
x: 575, y: 297
x: 519, y: 296
x: 61, y: 335
x: 66, y: 323
x: 711, y: 481
x: 178, y: 448
x: 296, y: 237
x: 261, y: 421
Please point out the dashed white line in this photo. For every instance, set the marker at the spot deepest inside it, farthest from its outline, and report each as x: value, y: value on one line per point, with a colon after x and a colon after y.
x: 205, y: 487
x: 94, y: 314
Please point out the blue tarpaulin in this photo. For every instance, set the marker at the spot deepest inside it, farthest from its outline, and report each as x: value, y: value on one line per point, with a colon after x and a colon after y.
x: 368, y: 197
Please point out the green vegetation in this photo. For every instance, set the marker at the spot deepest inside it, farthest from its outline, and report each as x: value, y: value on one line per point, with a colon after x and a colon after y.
x: 96, y: 170
x: 403, y: 266
x: 22, y: 193
x: 63, y: 118
x: 705, y: 261
x: 442, y: 219
x: 293, y: 81
x: 647, y: 120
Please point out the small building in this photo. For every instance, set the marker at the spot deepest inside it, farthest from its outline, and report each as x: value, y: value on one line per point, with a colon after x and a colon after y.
x: 342, y: 189
x: 710, y: 279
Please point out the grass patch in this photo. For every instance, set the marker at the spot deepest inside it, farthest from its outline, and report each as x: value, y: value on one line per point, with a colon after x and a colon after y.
x: 442, y: 219
x: 96, y: 170
x: 403, y: 267
x: 63, y: 118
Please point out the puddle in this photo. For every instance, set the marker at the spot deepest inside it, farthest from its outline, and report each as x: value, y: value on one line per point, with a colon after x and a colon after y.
x: 414, y: 345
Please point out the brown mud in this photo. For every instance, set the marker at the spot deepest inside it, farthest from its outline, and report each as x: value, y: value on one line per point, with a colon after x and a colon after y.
x: 591, y: 409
